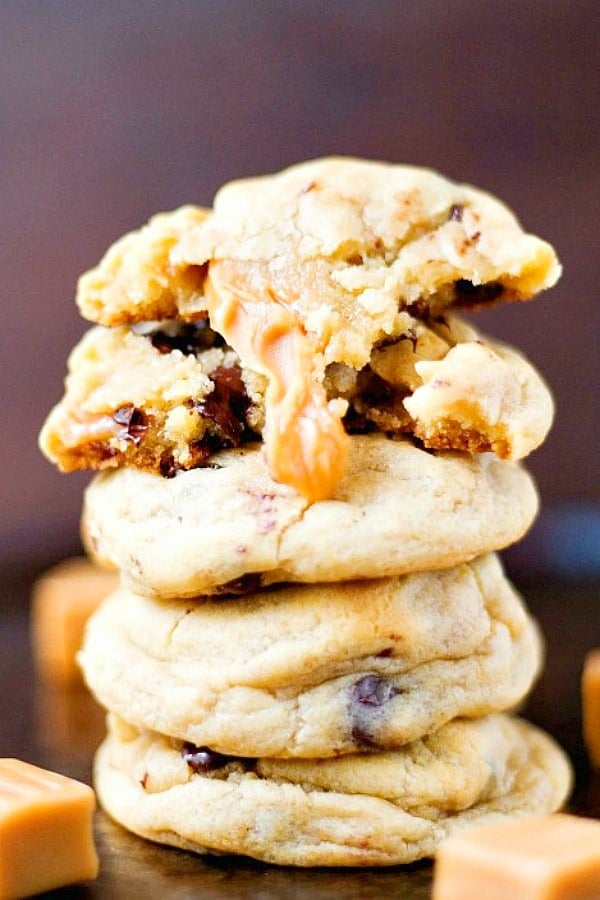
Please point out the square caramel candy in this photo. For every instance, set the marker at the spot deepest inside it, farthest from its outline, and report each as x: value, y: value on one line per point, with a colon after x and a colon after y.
x: 590, y: 696
x: 46, y: 838
x: 63, y: 599
x: 552, y: 857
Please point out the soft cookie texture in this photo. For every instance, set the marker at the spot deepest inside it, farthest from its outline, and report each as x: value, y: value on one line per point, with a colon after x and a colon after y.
x: 351, y: 243
x: 316, y: 671
x: 319, y: 266
x: 345, y: 238
x: 359, y: 810
x: 136, y: 280
x: 230, y: 527
x: 169, y: 397
x: 159, y: 401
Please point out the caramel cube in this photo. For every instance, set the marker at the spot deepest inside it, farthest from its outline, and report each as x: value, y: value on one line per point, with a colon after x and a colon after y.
x: 46, y: 838
x: 62, y: 601
x: 553, y: 857
x: 590, y: 695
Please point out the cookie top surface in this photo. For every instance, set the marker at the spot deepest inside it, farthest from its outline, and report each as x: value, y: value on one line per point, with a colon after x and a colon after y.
x: 350, y: 241
x: 318, y: 265
x: 318, y: 670
x: 377, y: 809
x: 397, y: 509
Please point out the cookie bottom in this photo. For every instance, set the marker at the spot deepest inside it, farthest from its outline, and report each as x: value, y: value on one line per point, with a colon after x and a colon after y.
x: 361, y: 810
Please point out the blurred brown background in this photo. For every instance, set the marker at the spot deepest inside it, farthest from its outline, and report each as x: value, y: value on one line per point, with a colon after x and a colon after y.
x: 112, y: 111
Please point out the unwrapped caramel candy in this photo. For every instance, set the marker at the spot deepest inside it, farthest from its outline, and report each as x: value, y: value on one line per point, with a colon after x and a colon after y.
x: 46, y: 838
x: 590, y: 695
x: 553, y: 857
x: 63, y: 599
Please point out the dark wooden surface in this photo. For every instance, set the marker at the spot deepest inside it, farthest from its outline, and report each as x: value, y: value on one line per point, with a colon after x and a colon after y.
x: 59, y: 730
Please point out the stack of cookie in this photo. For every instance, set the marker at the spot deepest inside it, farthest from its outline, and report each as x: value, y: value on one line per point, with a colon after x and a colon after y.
x: 308, y: 464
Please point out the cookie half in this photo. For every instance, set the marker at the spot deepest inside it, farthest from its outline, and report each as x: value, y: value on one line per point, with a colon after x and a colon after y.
x: 136, y: 279
x: 230, y: 527
x: 360, y: 810
x: 316, y: 670
x: 350, y: 241
x: 170, y: 397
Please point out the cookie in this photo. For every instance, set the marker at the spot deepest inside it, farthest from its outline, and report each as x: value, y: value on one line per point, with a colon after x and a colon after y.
x: 360, y: 810
x: 136, y: 279
x: 348, y: 238
x: 164, y: 400
x: 320, y: 265
x: 230, y: 527
x: 158, y: 401
x: 316, y: 670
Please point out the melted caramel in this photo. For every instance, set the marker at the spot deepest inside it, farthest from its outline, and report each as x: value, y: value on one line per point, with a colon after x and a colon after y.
x: 91, y: 427
x: 305, y: 443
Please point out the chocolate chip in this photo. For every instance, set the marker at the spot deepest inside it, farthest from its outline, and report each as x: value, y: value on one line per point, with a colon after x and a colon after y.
x: 190, y: 339
x: 247, y: 584
x: 469, y: 294
x: 371, y: 690
x: 224, y: 412
x: 367, y: 696
x: 225, y: 408
x: 167, y: 466
x: 376, y: 404
x: 357, y: 423
x: 203, y: 759
x: 134, y: 420
x: 372, y: 388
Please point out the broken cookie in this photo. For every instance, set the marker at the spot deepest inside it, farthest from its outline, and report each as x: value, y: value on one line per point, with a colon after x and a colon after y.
x: 170, y: 396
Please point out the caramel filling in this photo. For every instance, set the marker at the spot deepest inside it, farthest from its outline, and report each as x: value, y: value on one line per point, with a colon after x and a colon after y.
x: 94, y: 427
x: 305, y: 442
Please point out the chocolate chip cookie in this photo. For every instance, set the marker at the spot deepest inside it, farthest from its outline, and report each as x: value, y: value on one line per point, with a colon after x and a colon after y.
x: 359, y: 810
x: 225, y: 528
x: 320, y: 670
x: 171, y: 395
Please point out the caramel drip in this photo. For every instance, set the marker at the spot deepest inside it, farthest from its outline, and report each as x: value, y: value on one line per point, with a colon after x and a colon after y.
x: 305, y: 443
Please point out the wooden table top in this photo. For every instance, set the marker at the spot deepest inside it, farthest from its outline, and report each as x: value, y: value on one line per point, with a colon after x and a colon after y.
x: 59, y: 730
